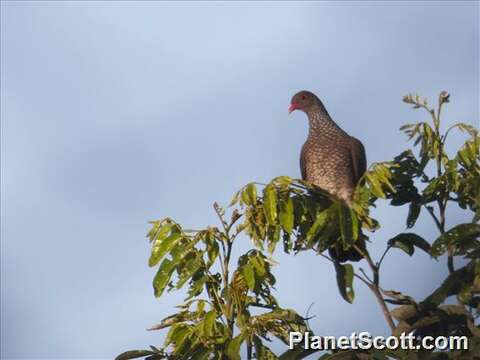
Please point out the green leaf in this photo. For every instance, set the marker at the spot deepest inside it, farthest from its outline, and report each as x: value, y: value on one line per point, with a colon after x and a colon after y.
x: 348, y: 224
x: 163, y: 276
x: 273, y: 233
x: 212, y: 251
x: 249, y: 275
x: 188, y: 267
x: 235, y: 198
x: 459, y: 236
x: 283, y: 181
x: 286, y: 215
x: 233, y: 347
x: 249, y: 194
x: 319, y: 224
x: 258, y: 265
x: 161, y: 247
x: 341, y: 355
x: 273, y: 236
x: 209, y: 322
x: 176, y: 334
x: 452, y: 285
x: 134, y: 354
x: 262, y: 352
x: 434, y: 189
x: 375, y: 186
x: 408, y: 241
x: 196, y: 286
x: 297, y: 354
x: 345, y: 281
x: 468, y: 155
x: 413, y: 213
x: 181, y: 336
x: 173, y: 319
x: 270, y: 203
x: 383, y: 175
x: 159, y: 230
x: 464, y: 127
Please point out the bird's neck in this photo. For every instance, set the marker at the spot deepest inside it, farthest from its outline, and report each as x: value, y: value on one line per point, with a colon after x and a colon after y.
x: 320, y: 122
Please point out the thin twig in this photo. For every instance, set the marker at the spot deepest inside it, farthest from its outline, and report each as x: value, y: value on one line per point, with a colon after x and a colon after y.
x: 225, y: 262
x: 375, y: 287
x: 434, y: 217
x: 370, y: 262
x: 307, y: 318
x: 442, y: 203
x: 216, y: 207
x: 379, y: 263
x: 366, y: 276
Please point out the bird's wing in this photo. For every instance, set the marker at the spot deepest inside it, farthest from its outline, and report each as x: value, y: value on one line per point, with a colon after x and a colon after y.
x: 359, y: 159
x: 303, y: 161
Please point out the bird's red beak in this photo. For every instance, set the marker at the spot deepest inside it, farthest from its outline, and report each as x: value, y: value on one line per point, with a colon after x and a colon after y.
x: 292, y: 107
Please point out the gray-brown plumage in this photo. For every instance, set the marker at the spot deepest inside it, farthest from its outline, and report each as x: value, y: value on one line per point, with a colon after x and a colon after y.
x: 330, y: 158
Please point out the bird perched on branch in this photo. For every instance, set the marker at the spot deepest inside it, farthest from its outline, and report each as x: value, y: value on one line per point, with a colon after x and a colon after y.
x: 330, y: 158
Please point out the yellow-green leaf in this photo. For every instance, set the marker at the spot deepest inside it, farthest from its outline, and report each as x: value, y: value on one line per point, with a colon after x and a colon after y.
x: 233, y: 348
x: 286, y: 215
x: 345, y: 281
x: 249, y: 194
x: 408, y: 241
x: 270, y: 203
x: 134, y: 354
x: 161, y: 247
x: 317, y: 226
x: 249, y: 276
x: 209, y: 322
x: 460, y: 235
x: 163, y: 276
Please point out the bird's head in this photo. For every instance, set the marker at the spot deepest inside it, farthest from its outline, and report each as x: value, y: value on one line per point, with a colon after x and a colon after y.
x: 303, y: 100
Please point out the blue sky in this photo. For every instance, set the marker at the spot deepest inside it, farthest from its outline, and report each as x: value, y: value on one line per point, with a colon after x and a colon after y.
x: 116, y: 113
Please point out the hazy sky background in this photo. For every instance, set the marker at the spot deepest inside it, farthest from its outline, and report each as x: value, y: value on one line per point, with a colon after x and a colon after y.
x: 116, y: 113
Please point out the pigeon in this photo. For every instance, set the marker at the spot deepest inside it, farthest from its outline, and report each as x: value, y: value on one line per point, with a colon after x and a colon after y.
x: 330, y: 158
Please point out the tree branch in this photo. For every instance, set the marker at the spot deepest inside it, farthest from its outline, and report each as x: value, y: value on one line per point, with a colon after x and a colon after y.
x: 375, y: 287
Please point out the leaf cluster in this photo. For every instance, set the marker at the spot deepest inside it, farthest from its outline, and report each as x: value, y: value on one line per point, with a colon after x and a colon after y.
x: 223, y: 308
x: 231, y: 306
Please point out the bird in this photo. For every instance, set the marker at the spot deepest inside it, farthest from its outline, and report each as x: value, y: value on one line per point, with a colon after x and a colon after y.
x: 330, y: 158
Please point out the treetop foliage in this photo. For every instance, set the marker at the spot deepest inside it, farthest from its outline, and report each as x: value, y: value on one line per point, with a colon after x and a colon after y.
x: 230, y: 311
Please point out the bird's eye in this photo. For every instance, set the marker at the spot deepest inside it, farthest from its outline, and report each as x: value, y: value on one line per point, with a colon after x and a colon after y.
x: 303, y: 97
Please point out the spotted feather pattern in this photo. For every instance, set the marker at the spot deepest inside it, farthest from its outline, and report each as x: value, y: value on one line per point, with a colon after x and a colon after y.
x: 330, y: 158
